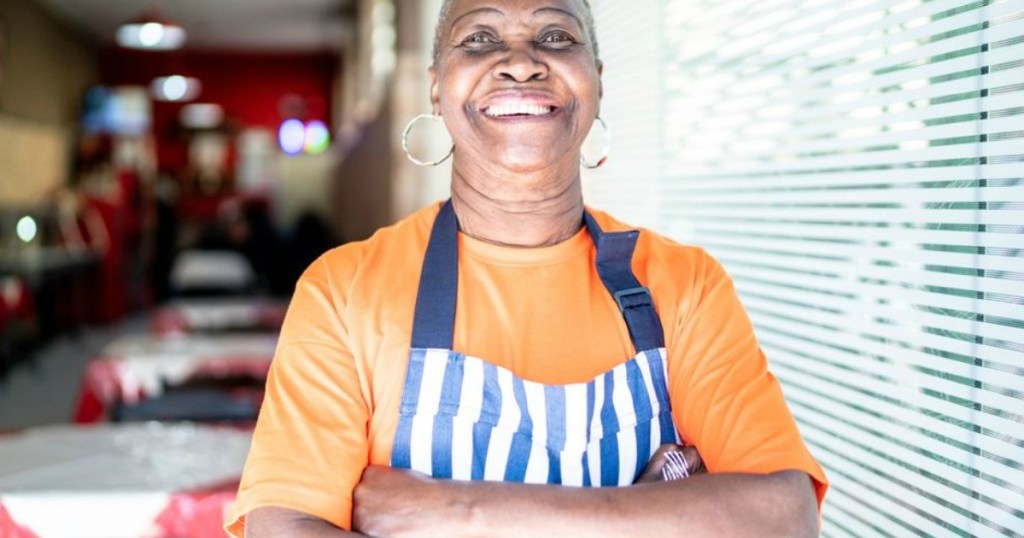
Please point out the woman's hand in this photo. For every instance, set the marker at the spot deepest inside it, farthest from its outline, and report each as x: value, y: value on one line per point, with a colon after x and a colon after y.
x: 656, y: 467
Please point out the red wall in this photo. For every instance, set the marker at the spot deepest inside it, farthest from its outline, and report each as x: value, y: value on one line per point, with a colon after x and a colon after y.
x: 248, y: 85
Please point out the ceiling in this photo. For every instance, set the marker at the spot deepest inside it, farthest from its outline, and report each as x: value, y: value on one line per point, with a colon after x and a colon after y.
x: 265, y: 25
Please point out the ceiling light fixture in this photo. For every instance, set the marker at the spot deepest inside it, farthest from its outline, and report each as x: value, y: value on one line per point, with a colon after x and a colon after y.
x: 175, y: 88
x: 201, y: 115
x: 27, y: 229
x: 151, y: 32
x: 292, y: 136
x: 317, y: 137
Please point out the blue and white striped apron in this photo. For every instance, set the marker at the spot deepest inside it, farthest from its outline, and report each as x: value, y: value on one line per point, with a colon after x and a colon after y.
x: 466, y: 419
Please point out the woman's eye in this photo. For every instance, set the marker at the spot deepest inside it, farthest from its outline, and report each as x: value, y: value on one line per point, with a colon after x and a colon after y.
x: 477, y: 39
x: 558, y: 39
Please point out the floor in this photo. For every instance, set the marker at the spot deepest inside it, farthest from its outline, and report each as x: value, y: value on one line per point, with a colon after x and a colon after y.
x: 43, y: 389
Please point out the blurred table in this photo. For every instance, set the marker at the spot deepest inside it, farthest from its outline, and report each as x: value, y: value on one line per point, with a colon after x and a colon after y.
x: 35, y: 263
x: 219, y: 315
x: 119, y: 480
x: 139, y: 366
x: 211, y: 272
x: 59, y: 280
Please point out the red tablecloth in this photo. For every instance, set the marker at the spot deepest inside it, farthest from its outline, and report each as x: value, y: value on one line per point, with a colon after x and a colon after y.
x: 196, y: 514
x: 109, y: 481
x: 136, y: 367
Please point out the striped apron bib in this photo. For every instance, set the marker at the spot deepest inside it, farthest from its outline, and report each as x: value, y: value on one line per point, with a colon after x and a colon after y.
x: 466, y: 419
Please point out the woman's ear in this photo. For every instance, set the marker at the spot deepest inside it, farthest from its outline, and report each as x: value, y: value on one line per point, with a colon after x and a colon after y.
x: 600, y: 79
x: 435, y: 92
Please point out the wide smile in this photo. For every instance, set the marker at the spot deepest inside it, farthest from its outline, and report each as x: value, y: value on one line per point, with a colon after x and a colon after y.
x: 518, y: 110
x: 519, y: 105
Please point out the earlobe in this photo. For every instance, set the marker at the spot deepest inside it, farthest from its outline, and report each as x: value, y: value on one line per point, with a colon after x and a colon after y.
x: 435, y: 92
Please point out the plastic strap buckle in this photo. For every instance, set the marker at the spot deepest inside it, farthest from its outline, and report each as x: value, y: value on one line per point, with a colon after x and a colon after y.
x: 642, y: 290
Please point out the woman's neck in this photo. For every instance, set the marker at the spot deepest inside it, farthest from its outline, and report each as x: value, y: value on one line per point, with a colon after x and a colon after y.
x: 523, y: 210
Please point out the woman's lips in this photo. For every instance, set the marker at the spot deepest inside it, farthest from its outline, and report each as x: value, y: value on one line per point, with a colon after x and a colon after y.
x: 518, y: 105
x: 517, y: 109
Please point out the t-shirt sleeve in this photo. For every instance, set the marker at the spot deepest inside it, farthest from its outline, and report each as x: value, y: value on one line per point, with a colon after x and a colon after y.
x: 725, y: 401
x: 309, y: 448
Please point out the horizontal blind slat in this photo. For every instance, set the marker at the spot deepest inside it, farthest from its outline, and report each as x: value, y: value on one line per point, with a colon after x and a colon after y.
x: 822, y: 307
x: 866, y: 516
x: 905, y: 382
x: 821, y: 411
x: 966, y: 154
x: 883, y: 493
x: 1009, y: 217
x: 941, y: 501
x: 685, y: 230
x: 889, y: 275
x: 880, y: 194
x: 814, y: 295
x: 816, y: 177
x: 912, y: 427
x: 820, y: 348
x: 866, y: 254
x: 854, y: 128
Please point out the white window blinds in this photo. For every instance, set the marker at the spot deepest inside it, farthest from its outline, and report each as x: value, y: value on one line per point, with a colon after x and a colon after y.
x: 858, y: 167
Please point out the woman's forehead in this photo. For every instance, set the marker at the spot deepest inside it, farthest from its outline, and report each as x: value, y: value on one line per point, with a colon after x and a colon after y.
x: 462, y: 10
x: 456, y: 14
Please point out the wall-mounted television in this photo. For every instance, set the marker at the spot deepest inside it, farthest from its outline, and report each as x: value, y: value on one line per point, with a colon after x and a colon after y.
x: 122, y: 110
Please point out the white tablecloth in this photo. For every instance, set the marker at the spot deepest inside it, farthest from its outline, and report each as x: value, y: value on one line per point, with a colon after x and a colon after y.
x: 138, y: 366
x: 145, y: 362
x: 219, y: 315
x: 114, y: 480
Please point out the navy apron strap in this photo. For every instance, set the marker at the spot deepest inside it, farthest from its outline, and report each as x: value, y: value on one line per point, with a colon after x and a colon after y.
x: 615, y: 267
x: 434, y: 319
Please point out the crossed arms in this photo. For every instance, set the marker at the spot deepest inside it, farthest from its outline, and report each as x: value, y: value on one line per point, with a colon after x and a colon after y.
x: 397, y: 503
x: 391, y: 502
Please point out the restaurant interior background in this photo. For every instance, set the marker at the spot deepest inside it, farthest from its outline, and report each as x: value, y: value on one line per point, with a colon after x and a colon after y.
x: 857, y: 166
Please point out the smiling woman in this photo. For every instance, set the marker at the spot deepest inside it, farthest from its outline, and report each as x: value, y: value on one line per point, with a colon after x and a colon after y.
x: 459, y: 371
x: 494, y: 64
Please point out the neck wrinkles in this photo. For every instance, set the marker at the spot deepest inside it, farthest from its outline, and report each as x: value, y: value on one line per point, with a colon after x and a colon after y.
x: 521, y: 210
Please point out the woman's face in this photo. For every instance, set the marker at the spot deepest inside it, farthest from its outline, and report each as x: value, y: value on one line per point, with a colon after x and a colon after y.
x: 516, y: 81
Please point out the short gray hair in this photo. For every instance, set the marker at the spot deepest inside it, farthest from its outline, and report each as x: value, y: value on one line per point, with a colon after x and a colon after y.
x: 446, y: 8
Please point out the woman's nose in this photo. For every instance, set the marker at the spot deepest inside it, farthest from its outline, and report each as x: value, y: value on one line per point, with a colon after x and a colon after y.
x: 520, y: 64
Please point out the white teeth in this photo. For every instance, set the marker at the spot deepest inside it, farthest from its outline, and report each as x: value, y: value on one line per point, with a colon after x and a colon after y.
x: 517, y: 109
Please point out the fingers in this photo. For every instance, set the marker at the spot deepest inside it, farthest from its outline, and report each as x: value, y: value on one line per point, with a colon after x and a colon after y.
x: 653, y: 471
x: 672, y: 462
x: 694, y: 463
x: 676, y: 467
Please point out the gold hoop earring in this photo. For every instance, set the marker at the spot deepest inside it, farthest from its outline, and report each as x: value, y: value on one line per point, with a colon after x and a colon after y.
x: 405, y: 142
x: 604, y: 150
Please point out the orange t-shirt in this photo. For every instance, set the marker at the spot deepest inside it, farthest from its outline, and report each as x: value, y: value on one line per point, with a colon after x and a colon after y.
x: 333, y: 393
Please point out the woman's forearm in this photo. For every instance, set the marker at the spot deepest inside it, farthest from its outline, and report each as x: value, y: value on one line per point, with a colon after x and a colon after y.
x: 708, y: 505
x: 281, y: 523
x: 780, y: 504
